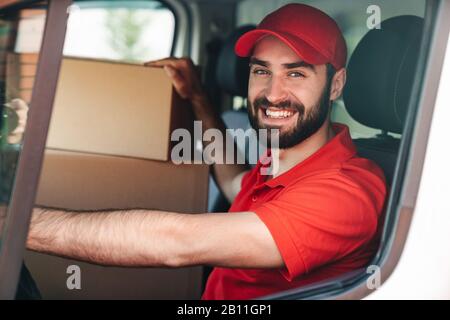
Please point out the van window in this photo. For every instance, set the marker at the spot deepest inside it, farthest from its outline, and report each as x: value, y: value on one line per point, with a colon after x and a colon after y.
x: 129, y: 31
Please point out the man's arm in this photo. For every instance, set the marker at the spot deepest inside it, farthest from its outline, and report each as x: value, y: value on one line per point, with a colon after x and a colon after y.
x: 185, y: 80
x: 139, y: 238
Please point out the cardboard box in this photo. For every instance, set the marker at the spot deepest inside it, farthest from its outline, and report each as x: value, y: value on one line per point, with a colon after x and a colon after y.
x: 94, y: 182
x: 107, y: 107
x: 109, y: 131
x: 80, y: 181
x: 116, y: 109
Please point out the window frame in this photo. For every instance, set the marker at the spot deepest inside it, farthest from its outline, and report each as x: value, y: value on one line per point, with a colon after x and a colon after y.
x: 183, y: 30
x: 31, y: 157
x: 408, y: 171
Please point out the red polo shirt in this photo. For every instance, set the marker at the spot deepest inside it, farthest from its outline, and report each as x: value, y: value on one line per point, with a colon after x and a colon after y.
x: 324, y: 215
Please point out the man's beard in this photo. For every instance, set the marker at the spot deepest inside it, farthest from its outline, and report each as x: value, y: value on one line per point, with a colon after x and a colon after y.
x: 307, y: 124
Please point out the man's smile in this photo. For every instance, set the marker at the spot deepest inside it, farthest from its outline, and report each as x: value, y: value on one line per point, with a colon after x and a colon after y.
x: 277, y: 117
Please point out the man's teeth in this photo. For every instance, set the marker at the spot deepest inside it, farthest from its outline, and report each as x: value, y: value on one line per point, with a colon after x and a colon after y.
x: 278, y: 114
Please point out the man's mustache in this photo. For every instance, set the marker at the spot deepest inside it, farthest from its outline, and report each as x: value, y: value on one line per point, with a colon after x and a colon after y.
x: 263, y: 102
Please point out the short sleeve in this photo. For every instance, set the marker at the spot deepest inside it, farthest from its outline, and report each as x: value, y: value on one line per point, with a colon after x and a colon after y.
x: 318, y: 221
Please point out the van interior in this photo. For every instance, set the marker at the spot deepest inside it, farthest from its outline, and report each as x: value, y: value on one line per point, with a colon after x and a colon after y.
x: 88, y: 167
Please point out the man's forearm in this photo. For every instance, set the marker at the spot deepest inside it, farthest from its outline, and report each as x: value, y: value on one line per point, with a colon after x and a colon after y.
x: 205, y: 112
x: 142, y: 238
x: 123, y: 238
x: 224, y: 174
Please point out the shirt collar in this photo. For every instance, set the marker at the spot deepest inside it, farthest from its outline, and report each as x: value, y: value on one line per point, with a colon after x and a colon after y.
x: 337, y: 150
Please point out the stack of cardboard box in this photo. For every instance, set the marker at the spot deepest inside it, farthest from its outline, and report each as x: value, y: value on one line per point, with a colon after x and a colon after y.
x: 108, y: 147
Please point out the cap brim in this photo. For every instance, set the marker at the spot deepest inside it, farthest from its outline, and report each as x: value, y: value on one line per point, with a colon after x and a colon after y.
x: 245, y: 44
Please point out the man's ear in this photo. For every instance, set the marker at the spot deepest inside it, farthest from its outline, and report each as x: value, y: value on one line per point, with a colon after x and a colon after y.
x: 338, y: 83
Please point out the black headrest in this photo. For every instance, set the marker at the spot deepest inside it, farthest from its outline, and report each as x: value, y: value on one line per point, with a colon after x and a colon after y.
x: 232, y: 71
x: 381, y: 73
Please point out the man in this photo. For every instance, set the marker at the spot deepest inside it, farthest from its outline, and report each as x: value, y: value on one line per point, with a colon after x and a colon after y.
x: 316, y: 217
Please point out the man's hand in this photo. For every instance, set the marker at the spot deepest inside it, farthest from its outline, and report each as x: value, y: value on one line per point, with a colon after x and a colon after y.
x: 184, y: 76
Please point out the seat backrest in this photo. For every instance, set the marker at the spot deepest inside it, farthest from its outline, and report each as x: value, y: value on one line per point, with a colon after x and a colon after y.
x: 380, y: 76
x: 232, y: 78
x: 232, y: 71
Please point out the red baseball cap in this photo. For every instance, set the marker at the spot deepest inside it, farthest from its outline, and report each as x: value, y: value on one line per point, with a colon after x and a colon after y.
x: 312, y: 34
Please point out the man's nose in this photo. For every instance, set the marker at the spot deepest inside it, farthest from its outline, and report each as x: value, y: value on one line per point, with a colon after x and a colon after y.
x: 276, y: 91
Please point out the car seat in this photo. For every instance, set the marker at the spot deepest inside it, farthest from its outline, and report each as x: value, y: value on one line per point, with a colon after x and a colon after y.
x: 380, y: 75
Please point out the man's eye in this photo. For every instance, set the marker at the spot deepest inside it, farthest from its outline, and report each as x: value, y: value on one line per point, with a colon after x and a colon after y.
x: 260, y: 72
x: 296, y: 74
